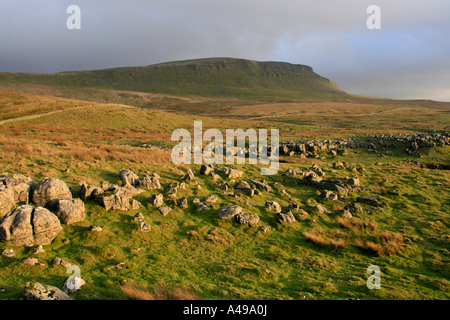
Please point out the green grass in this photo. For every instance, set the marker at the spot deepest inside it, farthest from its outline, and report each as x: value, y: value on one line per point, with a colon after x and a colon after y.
x: 220, y: 77
x: 219, y: 259
x: 242, y: 262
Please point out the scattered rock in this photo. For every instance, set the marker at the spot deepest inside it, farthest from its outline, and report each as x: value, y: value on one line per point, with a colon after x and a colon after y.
x: 241, y: 185
x: 329, y: 195
x: 21, y: 185
x: 88, y: 192
x: 39, y: 249
x: 261, y: 186
x: 285, y: 217
x: 233, y: 173
x: 371, y: 201
x: 136, y: 205
x: 338, y: 165
x: 248, y: 219
x: 202, y: 207
x: 174, y: 184
x: 273, y: 206
x: 62, y: 262
x: 310, y: 177
x: 205, y: 169
x: 216, y: 176
x: 189, y: 176
x: 294, y: 206
x: 182, y: 203
x: 32, y: 262
x: 28, y: 226
x: 353, y: 182
x: 114, y: 202
x: 95, y: 229
x: 118, y: 266
x: 37, y: 291
x: 9, y: 253
x: 354, y: 207
x: 150, y: 182
x: 172, y: 193
x: 127, y: 191
x: 265, y: 229
x: 70, y: 211
x: 156, y: 200
x: 211, y: 198
x: 144, y: 227
x: 165, y: 210
x: 229, y: 211
x: 50, y: 190
x: 130, y: 177
x: 108, y: 187
x: 6, y: 200
x: 320, y: 209
x: 347, y: 214
x: 138, y: 217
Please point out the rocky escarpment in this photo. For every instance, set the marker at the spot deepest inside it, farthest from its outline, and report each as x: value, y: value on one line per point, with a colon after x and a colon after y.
x: 411, y: 144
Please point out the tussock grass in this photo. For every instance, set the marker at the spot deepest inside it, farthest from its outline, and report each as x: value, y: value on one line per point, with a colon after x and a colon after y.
x: 198, y: 253
x: 321, y: 239
x: 357, y: 225
x: 158, y: 292
x: 386, y: 243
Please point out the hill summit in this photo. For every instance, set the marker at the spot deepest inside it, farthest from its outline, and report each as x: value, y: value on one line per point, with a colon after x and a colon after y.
x: 212, y: 77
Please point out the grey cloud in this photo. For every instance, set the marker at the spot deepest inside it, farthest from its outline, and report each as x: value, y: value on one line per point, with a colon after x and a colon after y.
x: 408, y: 58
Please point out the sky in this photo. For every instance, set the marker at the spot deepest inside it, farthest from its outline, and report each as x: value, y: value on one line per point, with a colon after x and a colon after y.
x: 408, y: 58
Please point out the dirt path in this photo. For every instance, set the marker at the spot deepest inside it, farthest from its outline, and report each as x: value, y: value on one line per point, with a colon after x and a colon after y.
x: 35, y: 116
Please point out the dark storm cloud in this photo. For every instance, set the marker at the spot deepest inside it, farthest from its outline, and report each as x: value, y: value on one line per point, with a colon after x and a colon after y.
x: 407, y: 58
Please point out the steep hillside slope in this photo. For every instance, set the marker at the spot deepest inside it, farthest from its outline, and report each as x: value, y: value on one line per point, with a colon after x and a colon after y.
x: 214, y: 77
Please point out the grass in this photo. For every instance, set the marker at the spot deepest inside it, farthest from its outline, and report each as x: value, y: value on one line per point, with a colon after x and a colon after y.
x: 14, y: 105
x: 220, y: 77
x: 194, y: 254
x: 159, y: 292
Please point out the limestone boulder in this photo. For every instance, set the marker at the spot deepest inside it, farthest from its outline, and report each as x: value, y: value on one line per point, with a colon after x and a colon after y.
x: 285, y: 217
x: 150, y: 182
x: 229, y: 211
x: 50, y: 190
x: 156, y: 200
x: 70, y: 211
x: 130, y: 177
x: 273, y: 206
x: 38, y: 291
x: 6, y: 200
x: 29, y: 226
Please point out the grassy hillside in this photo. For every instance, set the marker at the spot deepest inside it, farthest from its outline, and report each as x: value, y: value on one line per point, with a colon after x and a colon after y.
x: 13, y: 105
x: 194, y: 253
x: 216, y: 77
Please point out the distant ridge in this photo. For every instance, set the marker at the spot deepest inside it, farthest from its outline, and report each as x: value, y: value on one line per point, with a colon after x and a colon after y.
x: 211, y: 77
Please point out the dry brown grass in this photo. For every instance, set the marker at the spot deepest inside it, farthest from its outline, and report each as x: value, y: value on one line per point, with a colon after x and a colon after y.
x: 14, y: 105
x: 316, y: 236
x: 356, y: 224
x: 387, y: 244
x: 337, y: 244
x: 159, y: 292
x: 321, y: 239
x: 25, y: 149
